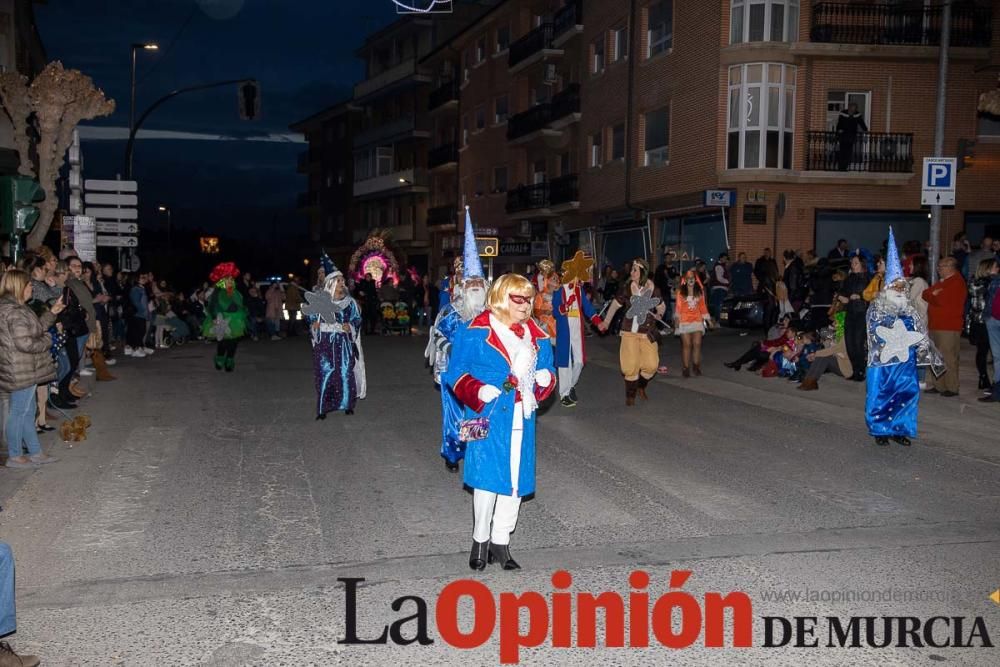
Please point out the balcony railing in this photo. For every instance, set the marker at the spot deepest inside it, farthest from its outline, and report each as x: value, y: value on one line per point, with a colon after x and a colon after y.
x: 565, y: 102
x: 536, y: 40
x: 879, y: 23
x: 442, y: 95
x: 528, y: 197
x: 526, y: 122
x: 566, y: 18
x: 442, y: 215
x: 442, y: 155
x: 871, y: 152
x: 564, y: 190
x: 403, y: 70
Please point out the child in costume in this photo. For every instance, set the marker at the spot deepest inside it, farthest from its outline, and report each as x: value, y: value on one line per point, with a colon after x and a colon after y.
x: 225, y: 315
x: 546, y: 282
x: 569, y: 307
x: 501, y: 368
x: 338, y: 359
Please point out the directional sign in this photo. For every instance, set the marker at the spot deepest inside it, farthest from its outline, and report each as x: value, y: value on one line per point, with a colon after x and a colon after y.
x: 117, y: 241
x: 117, y: 227
x: 938, y: 181
x: 91, y: 184
x: 113, y: 213
x: 110, y: 199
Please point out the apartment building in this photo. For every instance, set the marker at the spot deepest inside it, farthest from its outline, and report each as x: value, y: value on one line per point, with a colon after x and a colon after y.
x: 328, y: 164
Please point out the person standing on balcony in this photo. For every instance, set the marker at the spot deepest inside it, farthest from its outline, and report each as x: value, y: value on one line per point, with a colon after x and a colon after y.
x: 849, y: 123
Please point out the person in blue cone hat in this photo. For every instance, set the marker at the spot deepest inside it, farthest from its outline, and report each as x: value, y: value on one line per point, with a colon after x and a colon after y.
x: 467, y: 301
x: 897, y: 343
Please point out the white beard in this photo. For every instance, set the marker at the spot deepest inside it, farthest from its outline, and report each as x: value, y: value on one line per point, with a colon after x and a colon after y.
x: 473, y: 302
x: 897, y: 300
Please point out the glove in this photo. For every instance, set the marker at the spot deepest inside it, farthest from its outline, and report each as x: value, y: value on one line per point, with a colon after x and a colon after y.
x: 488, y: 393
x: 543, y: 378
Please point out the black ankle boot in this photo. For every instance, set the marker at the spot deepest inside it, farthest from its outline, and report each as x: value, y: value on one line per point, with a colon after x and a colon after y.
x: 881, y: 441
x: 478, y: 557
x: 903, y: 440
x: 501, y: 554
x: 984, y: 382
x: 452, y: 467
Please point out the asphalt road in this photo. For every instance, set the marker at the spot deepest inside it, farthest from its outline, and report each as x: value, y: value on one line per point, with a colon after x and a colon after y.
x: 208, y: 516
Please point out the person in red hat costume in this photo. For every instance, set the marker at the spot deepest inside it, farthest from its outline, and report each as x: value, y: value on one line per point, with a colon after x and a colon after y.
x: 225, y: 315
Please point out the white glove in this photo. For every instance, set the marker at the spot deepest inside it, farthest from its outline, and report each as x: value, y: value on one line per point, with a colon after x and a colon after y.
x: 488, y: 393
x: 543, y: 378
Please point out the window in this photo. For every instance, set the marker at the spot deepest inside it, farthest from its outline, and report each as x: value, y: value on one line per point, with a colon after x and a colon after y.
x: 619, y: 44
x: 661, y: 27
x: 500, y: 110
x: 538, y: 169
x: 480, y: 118
x: 466, y: 65
x: 988, y: 126
x: 840, y: 100
x: 500, y: 179
x: 481, y: 49
x: 503, y: 38
x: 340, y: 222
x: 658, y: 137
x: 465, y: 130
x: 597, y: 56
x: 618, y: 142
x: 596, y: 144
x: 763, y: 21
x: 761, y: 116
x: 383, y: 157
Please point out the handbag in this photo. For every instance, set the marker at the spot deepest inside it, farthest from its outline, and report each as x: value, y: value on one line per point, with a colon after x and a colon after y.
x: 476, y: 428
x: 73, y: 318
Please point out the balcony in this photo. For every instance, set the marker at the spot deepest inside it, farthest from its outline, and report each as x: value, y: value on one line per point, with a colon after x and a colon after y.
x: 442, y: 216
x: 885, y: 24
x: 529, y: 198
x: 443, y: 95
x: 401, y: 182
x: 877, y: 152
x: 527, y: 122
x: 307, y: 200
x: 565, y: 107
x: 442, y: 156
x: 404, y: 127
x: 398, y: 76
x: 564, y: 192
x: 567, y: 23
x: 533, y: 47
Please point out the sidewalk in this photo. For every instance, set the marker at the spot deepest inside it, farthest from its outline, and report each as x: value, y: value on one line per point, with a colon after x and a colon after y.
x: 961, y: 426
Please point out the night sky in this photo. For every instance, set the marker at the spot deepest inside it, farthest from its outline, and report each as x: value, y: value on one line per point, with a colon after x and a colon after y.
x: 301, y: 52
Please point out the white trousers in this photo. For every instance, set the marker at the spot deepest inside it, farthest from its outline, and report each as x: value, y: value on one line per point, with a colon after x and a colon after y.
x: 570, y: 375
x: 496, y: 514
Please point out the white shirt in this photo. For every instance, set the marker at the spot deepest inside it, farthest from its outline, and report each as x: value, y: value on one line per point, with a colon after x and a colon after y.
x: 522, y: 361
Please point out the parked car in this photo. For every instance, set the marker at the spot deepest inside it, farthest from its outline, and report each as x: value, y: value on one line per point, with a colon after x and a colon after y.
x: 745, y: 312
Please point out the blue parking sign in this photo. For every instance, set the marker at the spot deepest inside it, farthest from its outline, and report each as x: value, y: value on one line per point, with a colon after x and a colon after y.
x: 938, y: 181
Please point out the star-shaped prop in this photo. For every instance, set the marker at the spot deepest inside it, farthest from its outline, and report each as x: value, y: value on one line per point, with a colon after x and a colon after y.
x: 320, y: 305
x: 897, y: 341
x: 577, y: 268
x: 641, y: 304
x: 220, y: 327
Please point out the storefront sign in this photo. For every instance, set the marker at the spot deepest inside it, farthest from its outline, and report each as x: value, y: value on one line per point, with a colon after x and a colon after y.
x: 515, y: 249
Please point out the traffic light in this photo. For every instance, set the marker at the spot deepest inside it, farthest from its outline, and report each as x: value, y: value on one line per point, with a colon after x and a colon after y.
x: 18, y: 196
x: 249, y: 100
x: 965, y: 153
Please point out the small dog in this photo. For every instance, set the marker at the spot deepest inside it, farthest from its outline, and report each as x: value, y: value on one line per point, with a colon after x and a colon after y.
x: 75, y: 430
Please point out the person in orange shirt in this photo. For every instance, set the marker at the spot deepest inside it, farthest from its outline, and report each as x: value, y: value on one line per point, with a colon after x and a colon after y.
x: 690, y: 320
x: 546, y: 282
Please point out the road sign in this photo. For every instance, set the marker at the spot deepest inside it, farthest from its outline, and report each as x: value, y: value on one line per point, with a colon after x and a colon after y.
x: 117, y: 241
x: 937, y: 187
x: 85, y: 238
x: 488, y: 246
x: 97, y: 184
x: 110, y: 199
x: 117, y: 227
x: 112, y: 213
x: 725, y: 198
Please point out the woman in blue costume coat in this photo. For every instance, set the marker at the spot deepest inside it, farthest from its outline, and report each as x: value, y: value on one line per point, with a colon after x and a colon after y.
x: 501, y: 368
x: 338, y: 360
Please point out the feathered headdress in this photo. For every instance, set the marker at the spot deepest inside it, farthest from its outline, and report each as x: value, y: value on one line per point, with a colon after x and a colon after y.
x: 223, y: 271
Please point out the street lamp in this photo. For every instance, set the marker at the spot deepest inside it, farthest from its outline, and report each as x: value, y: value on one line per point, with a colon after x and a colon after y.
x: 131, y: 109
x: 170, y: 245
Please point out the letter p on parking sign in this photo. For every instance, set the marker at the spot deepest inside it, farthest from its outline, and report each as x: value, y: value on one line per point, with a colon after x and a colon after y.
x: 938, y: 181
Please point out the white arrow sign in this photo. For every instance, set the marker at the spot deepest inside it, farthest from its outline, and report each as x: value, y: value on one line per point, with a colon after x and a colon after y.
x: 117, y: 241
x: 110, y: 199
x: 110, y: 186
x: 117, y: 227
x: 113, y: 213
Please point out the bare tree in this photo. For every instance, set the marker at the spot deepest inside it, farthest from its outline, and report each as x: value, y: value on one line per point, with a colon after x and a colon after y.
x: 57, y: 100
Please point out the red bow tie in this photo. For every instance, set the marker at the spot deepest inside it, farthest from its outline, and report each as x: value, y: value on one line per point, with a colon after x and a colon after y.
x: 518, y: 330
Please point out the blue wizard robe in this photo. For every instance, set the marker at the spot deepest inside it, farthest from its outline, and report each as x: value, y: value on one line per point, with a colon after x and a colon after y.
x: 893, y: 389
x: 560, y: 313
x: 448, y: 324
x: 338, y: 364
x: 479, y: 358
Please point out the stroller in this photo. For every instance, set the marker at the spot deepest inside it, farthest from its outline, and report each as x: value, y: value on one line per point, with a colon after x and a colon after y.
x: 395, y: 318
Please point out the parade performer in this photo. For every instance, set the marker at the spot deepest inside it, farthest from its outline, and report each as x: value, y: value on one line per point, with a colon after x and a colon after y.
x: 501, y: 368
x: 568, y: 302
x: 225, y: 315
x: 468, y: 300
x: 691, y: 318
x: 897, y: 344
x: 639, y: 354
x: 546, y: 283
x: 338, y: 359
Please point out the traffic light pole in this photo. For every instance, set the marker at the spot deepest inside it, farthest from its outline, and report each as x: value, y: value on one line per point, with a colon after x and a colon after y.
x: 942, y: 90
x: 130, y: 146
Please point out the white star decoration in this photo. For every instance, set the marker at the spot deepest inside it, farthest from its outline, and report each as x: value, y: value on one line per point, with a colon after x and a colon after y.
x: 897, y: 341
x: 640, y: 305
x: 220, y: 327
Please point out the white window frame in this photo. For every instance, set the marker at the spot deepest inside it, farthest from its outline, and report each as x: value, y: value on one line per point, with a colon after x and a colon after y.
x: 619, y: 44
x: 665, y: 43
x: 657, y: 156
x: 596, y: 149
x: 739, y: 102
x: 739, y: 20
x: 599, y: 48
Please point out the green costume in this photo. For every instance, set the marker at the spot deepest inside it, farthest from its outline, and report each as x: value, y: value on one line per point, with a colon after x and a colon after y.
x: 225, y: 322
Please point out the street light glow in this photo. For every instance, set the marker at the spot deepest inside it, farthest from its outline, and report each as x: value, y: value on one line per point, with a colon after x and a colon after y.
x: 162, y: 208
x: 151, y: 47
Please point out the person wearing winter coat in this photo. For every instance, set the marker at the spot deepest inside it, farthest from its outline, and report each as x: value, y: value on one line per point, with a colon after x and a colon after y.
x: 275, y: 298
x: 25, y: 362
